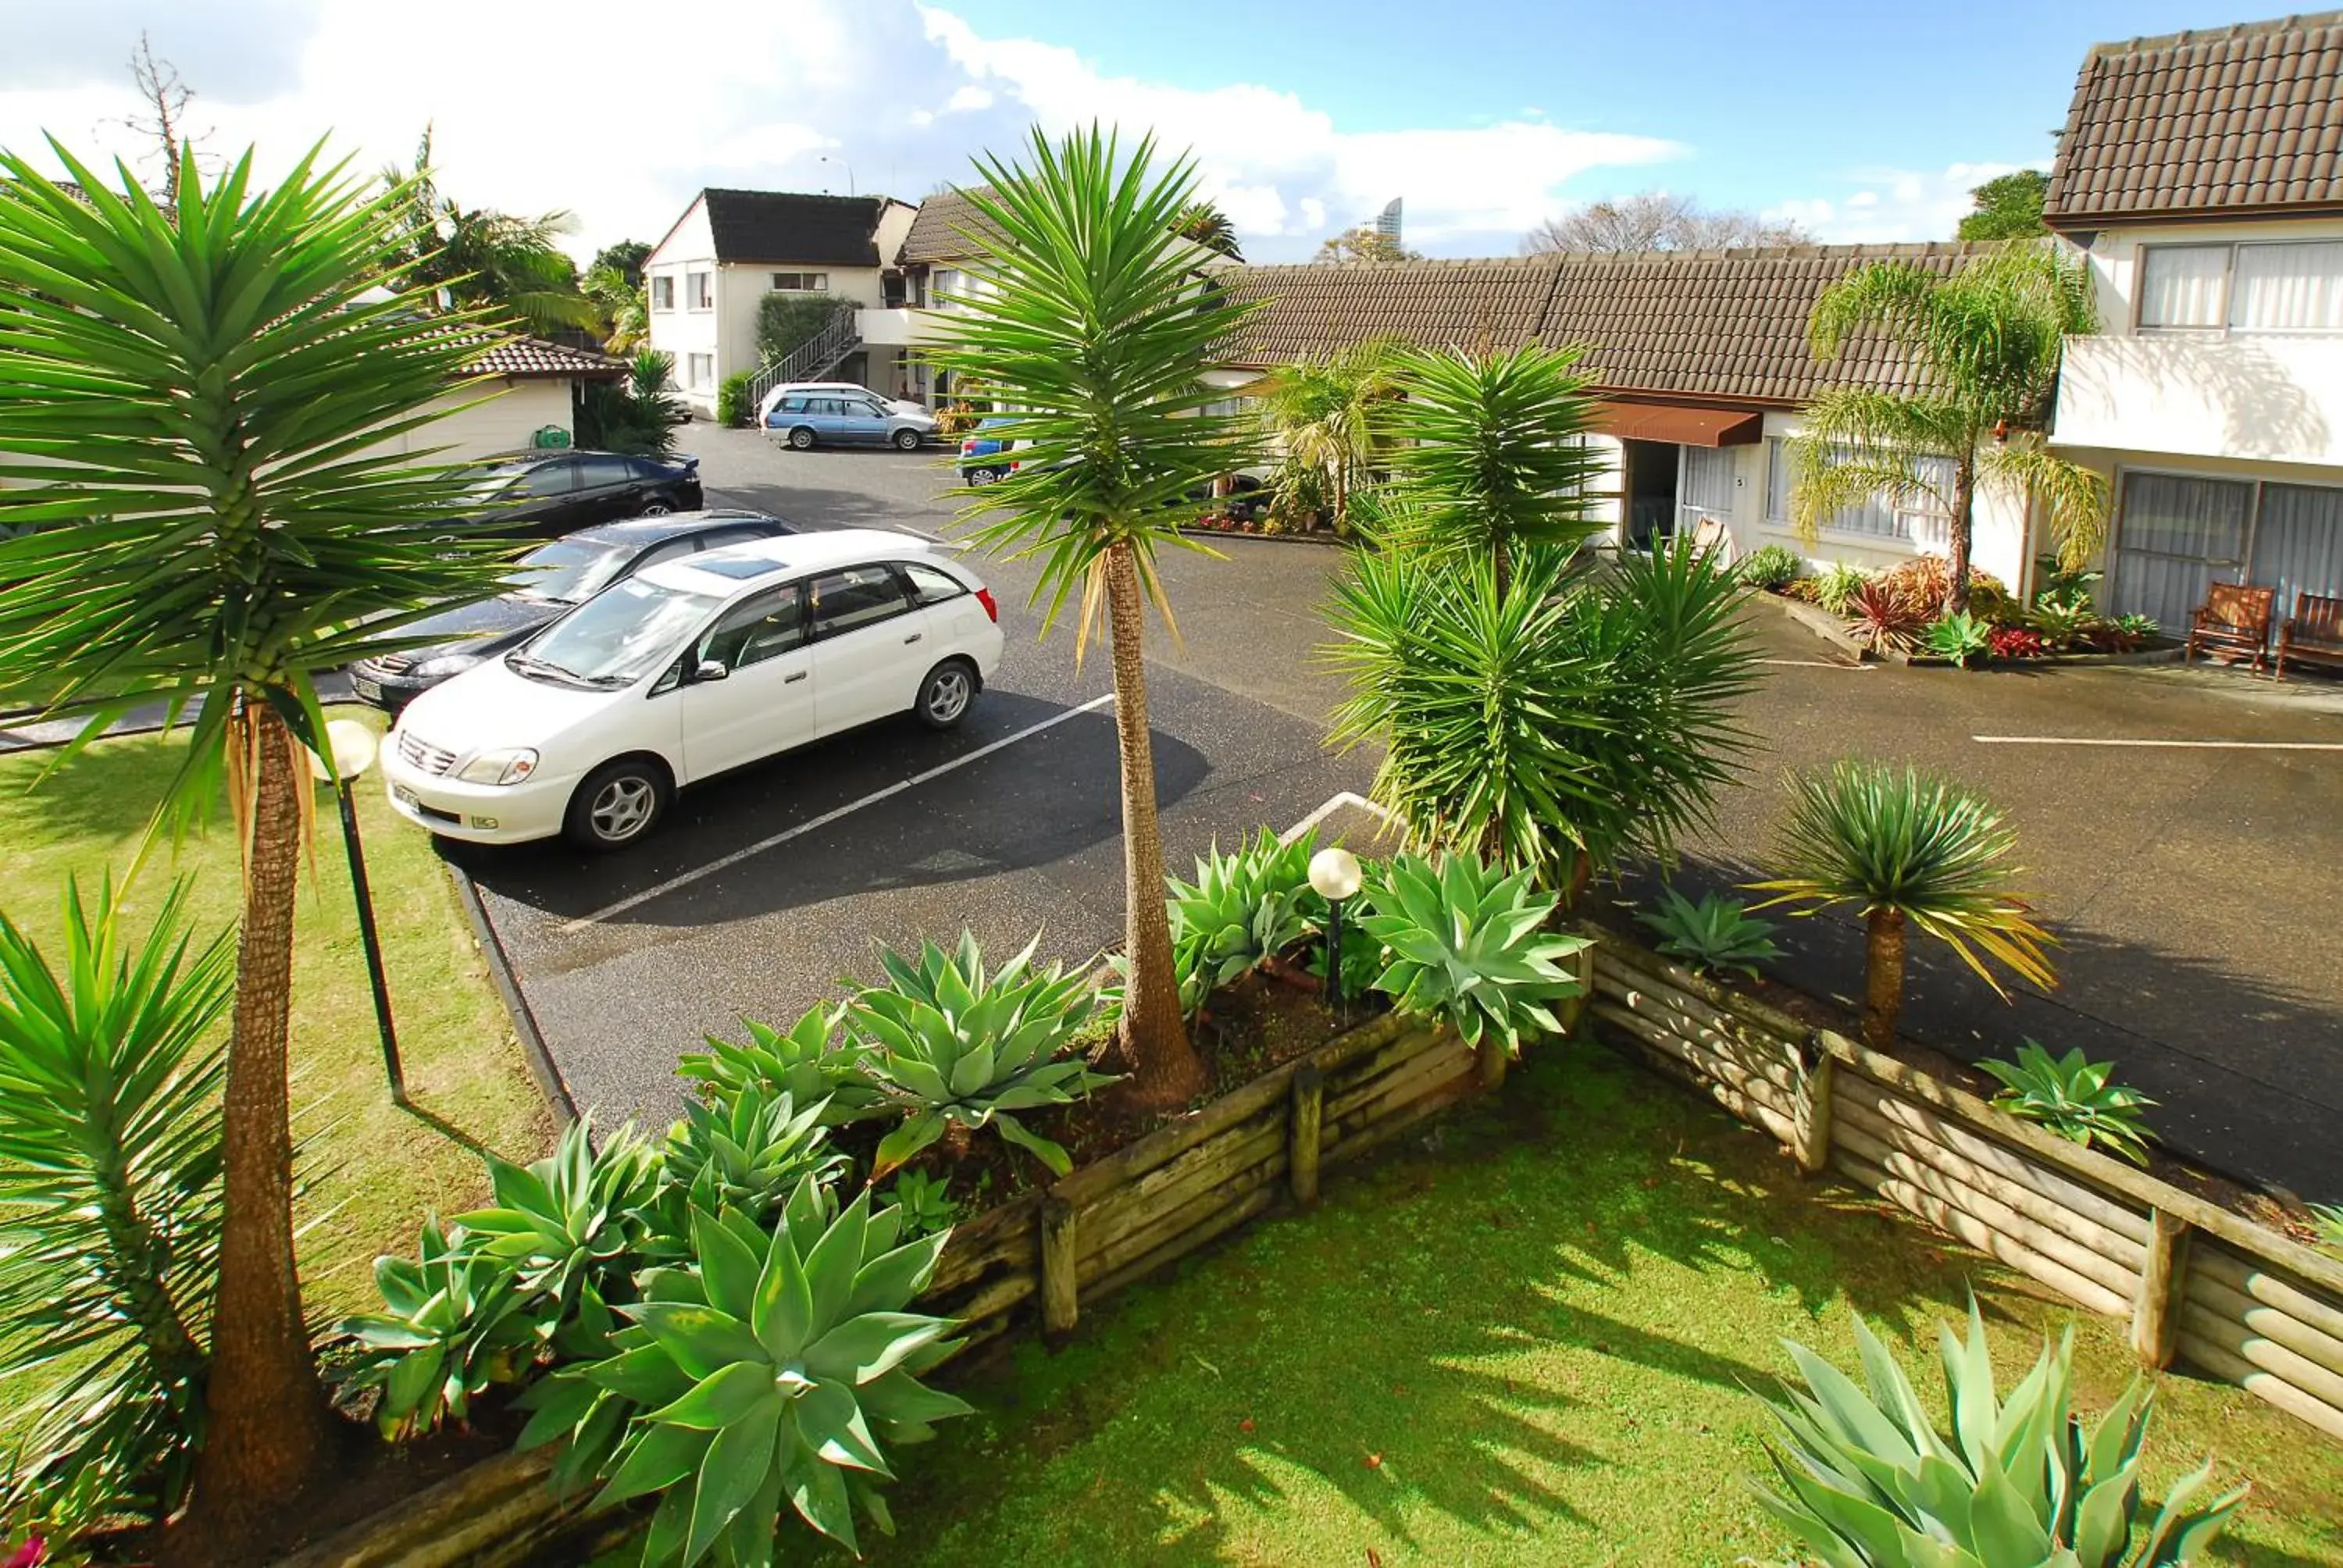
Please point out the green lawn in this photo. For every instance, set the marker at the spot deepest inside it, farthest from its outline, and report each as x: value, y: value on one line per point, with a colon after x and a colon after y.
x: 373, y: 1170
x: 1525, y: 1343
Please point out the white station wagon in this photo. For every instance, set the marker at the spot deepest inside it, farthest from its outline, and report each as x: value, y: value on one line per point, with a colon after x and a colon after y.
x: 686, y: 669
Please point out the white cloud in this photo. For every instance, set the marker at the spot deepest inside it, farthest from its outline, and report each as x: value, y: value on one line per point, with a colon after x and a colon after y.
x: 530, y: 115
x: 1889, y: 205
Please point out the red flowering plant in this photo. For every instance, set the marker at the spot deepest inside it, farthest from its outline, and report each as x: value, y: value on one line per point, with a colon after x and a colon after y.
x: 2016, y: 642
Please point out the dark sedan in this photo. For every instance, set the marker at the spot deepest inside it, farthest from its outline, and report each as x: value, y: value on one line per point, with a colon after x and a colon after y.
x: 554, y: 492
x: 545, y: 583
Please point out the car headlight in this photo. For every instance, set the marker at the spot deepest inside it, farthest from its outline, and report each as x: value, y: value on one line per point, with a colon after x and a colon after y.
x: 507, y: 766
x: 443, y: 667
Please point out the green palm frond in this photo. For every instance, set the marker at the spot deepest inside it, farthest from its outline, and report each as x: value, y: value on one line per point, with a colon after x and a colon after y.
x: 2070, y: 496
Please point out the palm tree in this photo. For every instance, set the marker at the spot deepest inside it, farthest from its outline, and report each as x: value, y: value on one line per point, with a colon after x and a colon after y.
x: 624, y: 307
x: 1323, y: 413
x: 199, y: 409
x: 1912, y: 851
x: 1985, y: 341
x: 1092, y: 335
x: 485, y: 259
x: 1203, y: 222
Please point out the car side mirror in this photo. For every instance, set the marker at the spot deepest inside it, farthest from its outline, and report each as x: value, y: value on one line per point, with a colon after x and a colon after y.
x: 709, y: 669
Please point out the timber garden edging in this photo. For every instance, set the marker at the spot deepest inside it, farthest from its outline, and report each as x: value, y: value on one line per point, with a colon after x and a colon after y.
x: 2237, y: 1300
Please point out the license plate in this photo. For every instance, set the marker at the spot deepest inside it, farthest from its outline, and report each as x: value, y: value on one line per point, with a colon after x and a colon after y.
x: 406, y: 796
x: 371, y: 690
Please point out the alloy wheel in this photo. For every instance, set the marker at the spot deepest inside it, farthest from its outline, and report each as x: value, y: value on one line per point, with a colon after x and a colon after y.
x: 949, y: 692
x: 621, y: 807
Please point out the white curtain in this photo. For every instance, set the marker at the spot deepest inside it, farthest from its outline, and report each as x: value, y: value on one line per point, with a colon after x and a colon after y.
x: 2180, y: 285
x: 2288, y: 287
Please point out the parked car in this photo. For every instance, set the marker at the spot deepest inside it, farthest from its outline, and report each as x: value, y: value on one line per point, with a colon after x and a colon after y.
x: 556, y: 492
x: 808, y: 419
x: 547, y: 581
x: 985, y: 457
x: 842, y: 388
x: 687, y: 668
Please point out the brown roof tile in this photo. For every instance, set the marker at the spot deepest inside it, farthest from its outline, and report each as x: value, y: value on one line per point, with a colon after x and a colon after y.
x: 1320, y: 309
x: 527, y: 357
x: 940, y: 231
x: 2240, y: 120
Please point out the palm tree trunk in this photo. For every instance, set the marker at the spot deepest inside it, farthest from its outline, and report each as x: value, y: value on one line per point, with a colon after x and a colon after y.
x: 1956, y: 596
x: 1164, y: 1071
x: 267, y: 1431
x: 1883, y: 980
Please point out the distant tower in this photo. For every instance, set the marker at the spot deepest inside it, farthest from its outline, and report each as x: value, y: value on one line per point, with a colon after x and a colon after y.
x: 1387, y: 223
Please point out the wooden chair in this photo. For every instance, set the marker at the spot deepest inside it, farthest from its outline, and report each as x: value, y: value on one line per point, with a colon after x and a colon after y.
x: 2313, y: 634
x: 2234, y: 621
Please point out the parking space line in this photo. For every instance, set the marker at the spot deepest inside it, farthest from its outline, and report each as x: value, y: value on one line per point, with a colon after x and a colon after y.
x: 1816, y: 663
x: 725, y: 863
x: 2181, y: 744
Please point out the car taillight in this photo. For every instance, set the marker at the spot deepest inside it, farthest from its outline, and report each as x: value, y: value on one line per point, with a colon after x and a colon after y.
x: 967, y: 447
x: 984, y: 597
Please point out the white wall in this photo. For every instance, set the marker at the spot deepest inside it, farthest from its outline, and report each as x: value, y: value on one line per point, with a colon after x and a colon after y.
x: 516, y: 411
x: 682, y: 331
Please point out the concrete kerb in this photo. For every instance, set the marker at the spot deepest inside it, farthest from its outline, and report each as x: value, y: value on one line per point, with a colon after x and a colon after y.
x: 541, y: 1065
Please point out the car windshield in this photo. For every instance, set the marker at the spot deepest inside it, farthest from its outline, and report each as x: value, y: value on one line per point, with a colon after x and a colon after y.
x: 567, y: 571
x: 616, y: 637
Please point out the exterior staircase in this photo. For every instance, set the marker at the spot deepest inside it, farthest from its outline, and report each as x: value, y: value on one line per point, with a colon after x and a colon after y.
x: 838, y: 337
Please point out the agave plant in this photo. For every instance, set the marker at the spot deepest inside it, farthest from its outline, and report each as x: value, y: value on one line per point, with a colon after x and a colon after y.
x: 2016, y: 1483
x: 748, y: 1152
x: 1715, y: 934
x: 110, y: 1077
x: 573, y: 1222
x: 1912, y: 851
x: 958, y: 1050
x: 1468, y: 945
x: 1959, y: 637
x: 1242, y: 908
x: 925, y: 1200
x: 2074, y: 1099
x: 801, y: 1062
x: 772, y: 1373
x: 456, y: 1322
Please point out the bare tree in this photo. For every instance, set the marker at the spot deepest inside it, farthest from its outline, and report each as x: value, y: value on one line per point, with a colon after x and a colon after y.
x: 164, y: 98
x: 1657, y: 220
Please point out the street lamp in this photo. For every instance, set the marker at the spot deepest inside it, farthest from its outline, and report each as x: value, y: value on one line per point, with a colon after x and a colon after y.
x: 352, y: 745
x: 841, y: 162
x: 1334, y: 875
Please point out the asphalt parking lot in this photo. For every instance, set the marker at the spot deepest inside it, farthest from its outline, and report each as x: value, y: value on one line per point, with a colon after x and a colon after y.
x: 2184, y: 831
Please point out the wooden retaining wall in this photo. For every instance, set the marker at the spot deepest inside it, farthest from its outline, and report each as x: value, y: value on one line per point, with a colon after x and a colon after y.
x: 2235, y: 1299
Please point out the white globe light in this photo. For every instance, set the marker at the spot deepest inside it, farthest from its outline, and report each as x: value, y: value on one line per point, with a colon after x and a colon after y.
x: 352, y: 745
x: 1334, y: 873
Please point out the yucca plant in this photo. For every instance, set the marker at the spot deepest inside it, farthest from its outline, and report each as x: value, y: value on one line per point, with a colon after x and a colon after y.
x: 770, y: 1375
x: 956, y: 1049
x: 455, y: 1323
x: 570, y: 1224
x: 1887, y: 620
x: 747, y: 1153
x: 1243, y: 906
x: 803, y: 1061
x: 1872, y: 1482
x: 110, y: 1074
x: 1912, y: 852
x: 2073, y: 1098
x: 1960, y: 638
x: 1715, y: 934
x: 1469, y: 946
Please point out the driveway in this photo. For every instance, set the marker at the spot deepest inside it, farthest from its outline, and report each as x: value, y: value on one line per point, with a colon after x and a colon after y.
x: 2190, y: 871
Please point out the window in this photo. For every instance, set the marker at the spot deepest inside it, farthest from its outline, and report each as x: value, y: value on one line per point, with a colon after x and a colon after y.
x: 2286, y: 287
x: 699, y: 290
x: 1919, y: 520
x: 2180, y: 286
x: 792, y: 405
x: 930, y: 586
x: 700, y: 371
x: 665, y: 550
x: 800, y: 282
x: 663, y: 291
x: 757, y: 629
x: 858, y: 596
x: 600, y: 469
x: 557, y: 478
x: 948, y: 285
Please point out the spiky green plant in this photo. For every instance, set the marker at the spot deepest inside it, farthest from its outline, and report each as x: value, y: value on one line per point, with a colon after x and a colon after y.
x: 1715, y: 934
x: 747, y: 1151
x: 1245, y: 906
x: 573, y: 1222
x: 455, y: 1323
x: 2063, y: 618
x: 2073, y: 1098
x: 1872, y: 1482
x: 926, y: 1201
x: 110, y: 1073
x: 767, y: 1376
x: 1836, y: 585
x: 1960, y: 636
x: 1770, y: 566
x: 1911, y: 851
x: 804, y: 1061
x: 956, y: 1049
x: 1469, y: 946
x: 2326, y: 1219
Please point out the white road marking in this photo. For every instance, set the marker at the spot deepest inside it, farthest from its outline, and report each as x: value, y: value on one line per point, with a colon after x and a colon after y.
x: 2182, y: 745
x: 1335, y: 803
x: 726, y: 862
x: 1815, y: 663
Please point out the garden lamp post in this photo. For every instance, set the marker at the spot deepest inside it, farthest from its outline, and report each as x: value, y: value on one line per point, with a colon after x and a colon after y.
x: 353, y: 747
x: 1335, y: 876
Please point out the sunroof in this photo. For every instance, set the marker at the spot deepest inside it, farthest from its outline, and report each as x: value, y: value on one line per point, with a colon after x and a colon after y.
x: 725, y: 564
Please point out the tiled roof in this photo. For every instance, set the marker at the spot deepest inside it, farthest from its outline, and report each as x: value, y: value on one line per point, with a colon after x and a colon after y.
x: 939, y: 232
x: 2236, y: 120
x: 791, y: 225
x: 525, y: 357
x: 1725, y: 325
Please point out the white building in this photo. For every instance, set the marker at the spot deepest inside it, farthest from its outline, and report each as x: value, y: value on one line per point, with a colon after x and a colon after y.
x: 2200, y: 174
x: 529, y: 400
x: 711, y: 273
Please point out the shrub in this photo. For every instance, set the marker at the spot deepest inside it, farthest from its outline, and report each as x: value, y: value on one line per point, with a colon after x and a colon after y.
x: 456, y: 1322
x: 1242, y: 908
x: 787, y: 322
x: 748, y: 1152
x: 1297, y: 497
x: 801, y: 1063
x: 2016, y: 642
x: 733, y: 405
x: 2062, y: 618
x: 1836, y: 585
x: 1927, y: 580
x: 955, y: 420
x: 1889, y: 621
x: 1715, y: 934
x: 1959, y: 637
x: 1871, y: 1482
x: 638, y: 416
x: 956, y: 1049
x: 1772, y: 566
x: 2076, y: 1099
x: 1468, y: 945
x: 1908, y: 849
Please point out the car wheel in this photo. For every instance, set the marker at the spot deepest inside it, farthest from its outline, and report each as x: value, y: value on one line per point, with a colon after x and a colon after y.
x: 947, y: 693
x: 907, y: 440
x: 654, y: 508
x: 617, y: 804
x: 981, y: 477
x: 801, y: 439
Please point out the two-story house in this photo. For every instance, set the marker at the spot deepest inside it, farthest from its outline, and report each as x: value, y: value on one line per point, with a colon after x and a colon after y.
x: 2202, y: 176
x: 711, y: 272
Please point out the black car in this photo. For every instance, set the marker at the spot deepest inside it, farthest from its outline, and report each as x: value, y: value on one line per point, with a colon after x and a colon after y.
x: 556, y: 492
x: 545, y: 583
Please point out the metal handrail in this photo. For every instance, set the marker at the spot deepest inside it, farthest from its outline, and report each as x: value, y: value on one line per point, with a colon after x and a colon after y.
x: 838, y: 337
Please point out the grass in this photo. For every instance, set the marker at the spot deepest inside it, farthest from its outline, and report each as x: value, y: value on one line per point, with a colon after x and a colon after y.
x: 1526, y: 1340
x: 372, y: 1169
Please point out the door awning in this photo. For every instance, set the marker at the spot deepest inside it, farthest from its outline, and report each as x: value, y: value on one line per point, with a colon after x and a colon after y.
x: 1686, y: 424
